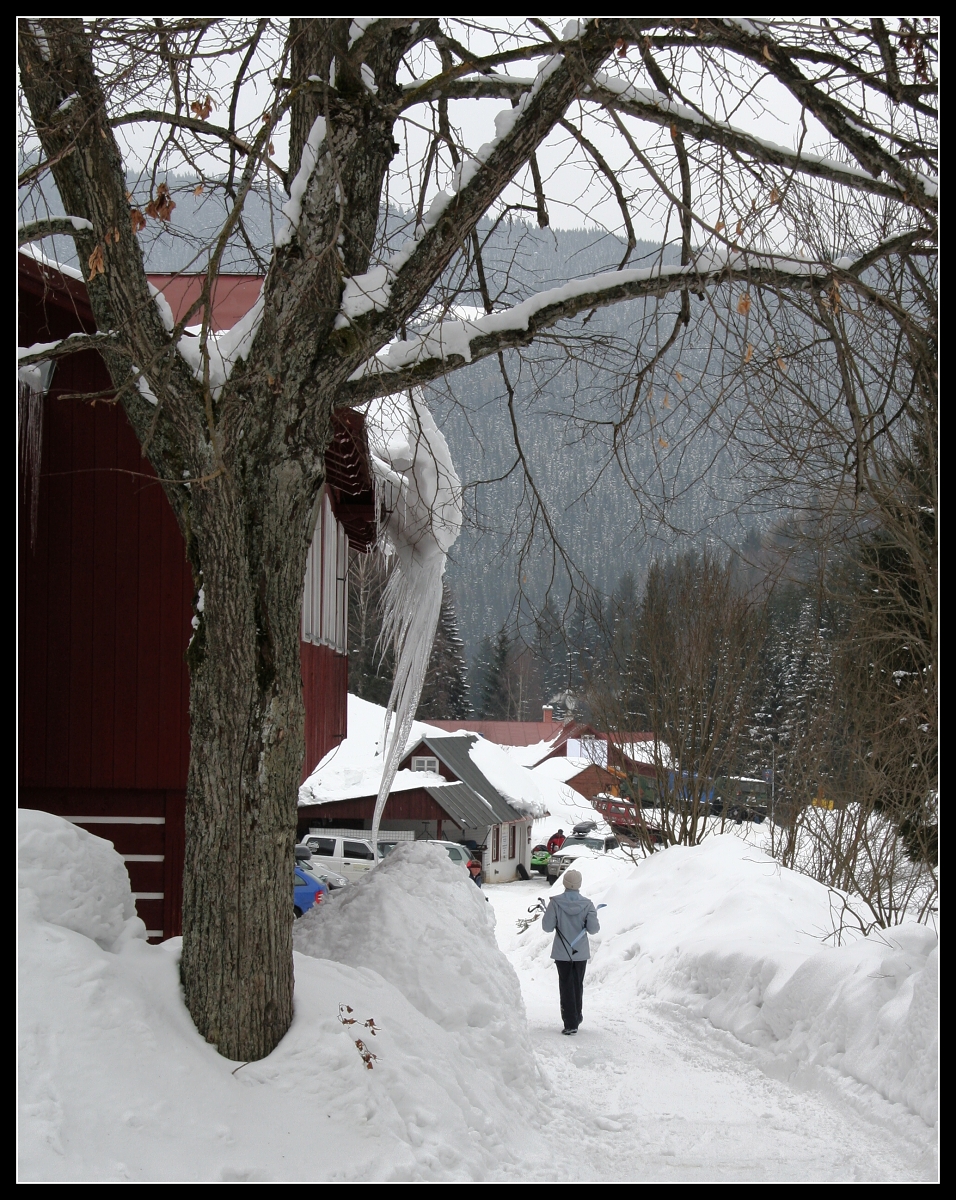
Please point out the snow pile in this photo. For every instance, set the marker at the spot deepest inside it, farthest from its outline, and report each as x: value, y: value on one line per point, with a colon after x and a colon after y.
x: 72, y: 879
x: 431, y: 934
x: 418, y: 489
x: 116, y: 1084
x: 724, y: 931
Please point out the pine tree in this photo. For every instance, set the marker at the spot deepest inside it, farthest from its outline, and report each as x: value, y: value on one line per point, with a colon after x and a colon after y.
x: 370, y: 674
x: 495, y: 697
x: 446, y: 693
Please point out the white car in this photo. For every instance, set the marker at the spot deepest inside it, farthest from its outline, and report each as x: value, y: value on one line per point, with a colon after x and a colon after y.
x: 353, y: 857
x: 350, y: 857
x: 457, y: 853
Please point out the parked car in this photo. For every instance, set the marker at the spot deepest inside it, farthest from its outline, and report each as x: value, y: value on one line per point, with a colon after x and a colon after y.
x: 349, y: 857
x: 540, y: 858
x: 573, y: 849
x: 456, y: 852
x: 308, y: 889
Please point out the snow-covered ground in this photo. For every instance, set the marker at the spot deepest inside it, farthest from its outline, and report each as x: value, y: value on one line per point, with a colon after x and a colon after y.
x: 721, y: 1039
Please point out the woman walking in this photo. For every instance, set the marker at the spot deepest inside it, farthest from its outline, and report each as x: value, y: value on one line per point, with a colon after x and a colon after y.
x: 572, y: 917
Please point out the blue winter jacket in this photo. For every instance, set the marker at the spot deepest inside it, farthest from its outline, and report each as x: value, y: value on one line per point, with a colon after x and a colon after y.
x: 567, y: 914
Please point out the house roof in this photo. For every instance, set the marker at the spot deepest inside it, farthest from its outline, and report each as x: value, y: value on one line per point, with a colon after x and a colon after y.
x: 505, y: 733
x: 467, y: 808
x: 454, y: 753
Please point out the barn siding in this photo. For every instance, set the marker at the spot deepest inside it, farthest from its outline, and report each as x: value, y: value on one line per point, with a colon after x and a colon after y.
x: 325, y: 684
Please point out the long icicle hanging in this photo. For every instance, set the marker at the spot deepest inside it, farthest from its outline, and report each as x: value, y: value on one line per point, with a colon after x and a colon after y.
x: 419, y: 495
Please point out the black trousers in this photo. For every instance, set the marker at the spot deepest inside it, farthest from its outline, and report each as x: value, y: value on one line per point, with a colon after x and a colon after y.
x: 571, y: 986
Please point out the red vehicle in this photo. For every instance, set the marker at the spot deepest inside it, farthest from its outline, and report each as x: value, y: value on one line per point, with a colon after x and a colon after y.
x: 556, y: 841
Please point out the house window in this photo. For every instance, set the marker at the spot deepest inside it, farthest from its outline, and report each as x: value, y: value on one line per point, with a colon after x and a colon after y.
x: 325, y: 613
x: 512, y: 840
x: 425, y: 764
x: 496, y: 845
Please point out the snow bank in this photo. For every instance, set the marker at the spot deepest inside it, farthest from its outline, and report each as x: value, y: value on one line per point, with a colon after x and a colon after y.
x: 72, y: 879
x: 430, y: 933
x: 117, y: 1085
x: 723, y: 930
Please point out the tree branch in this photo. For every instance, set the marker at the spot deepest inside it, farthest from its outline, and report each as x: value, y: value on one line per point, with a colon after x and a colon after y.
x: 659, y: 109
x: 449, y: 345
x: 181, y: 121
x: 33, y: 231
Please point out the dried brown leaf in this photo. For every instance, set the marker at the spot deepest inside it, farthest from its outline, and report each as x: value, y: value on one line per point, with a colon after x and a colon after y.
x: 749, y: 353
x: 719, y: 226
x: 96, y: 263
x: 743, y: 305
x: 161, y: 207
x: 137, y: 220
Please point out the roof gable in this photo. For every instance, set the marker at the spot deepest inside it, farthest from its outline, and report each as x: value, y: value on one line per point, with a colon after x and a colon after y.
x: 452, y: 753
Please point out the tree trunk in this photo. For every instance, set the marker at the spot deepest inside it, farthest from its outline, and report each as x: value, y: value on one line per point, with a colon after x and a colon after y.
x: 247, y: 738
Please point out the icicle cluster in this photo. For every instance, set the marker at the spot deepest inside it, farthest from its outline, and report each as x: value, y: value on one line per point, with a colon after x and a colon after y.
x: 419, y: 495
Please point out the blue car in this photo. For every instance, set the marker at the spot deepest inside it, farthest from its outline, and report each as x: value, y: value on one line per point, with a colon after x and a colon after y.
x: 308, y: 890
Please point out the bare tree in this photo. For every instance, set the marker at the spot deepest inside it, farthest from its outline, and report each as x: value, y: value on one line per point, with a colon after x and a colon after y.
x: 690, y: 664
x: 354, y: 308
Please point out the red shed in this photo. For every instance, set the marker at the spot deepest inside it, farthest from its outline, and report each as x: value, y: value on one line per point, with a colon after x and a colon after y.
x: 105, y: 600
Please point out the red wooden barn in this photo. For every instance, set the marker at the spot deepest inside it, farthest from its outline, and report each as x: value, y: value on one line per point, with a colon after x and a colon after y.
x: 105, y: 600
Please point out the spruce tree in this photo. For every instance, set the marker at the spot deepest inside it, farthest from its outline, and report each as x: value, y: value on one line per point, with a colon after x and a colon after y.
x: 446, y: 693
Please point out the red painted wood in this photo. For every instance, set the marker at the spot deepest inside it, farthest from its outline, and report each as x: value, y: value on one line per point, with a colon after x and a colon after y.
x: 57, y: 492
x: 174, y: 631
x: 103, y: 691
x: 33, y: 639
x: 151, y: 913
x: 148, y: 635
x: 146, y: 876
x: 175, y: 853
x: 325, y: 676
x: 130, y: 463
x: 81, y: 596
x: 99, y: 802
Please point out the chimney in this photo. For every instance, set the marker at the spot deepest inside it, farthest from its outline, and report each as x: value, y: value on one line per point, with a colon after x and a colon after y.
x: 547, y: 712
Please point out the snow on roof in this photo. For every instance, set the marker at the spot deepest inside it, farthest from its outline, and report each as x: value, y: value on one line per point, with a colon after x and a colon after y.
x: 560, y: 768
x: 354, y: 767
x: 515, y: 782
x: 529, y: 756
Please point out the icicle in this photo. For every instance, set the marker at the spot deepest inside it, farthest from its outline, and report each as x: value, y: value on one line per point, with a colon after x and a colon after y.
x: 419, y: 491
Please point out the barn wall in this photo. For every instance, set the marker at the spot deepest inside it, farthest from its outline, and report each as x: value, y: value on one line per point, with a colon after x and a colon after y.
x: 325, y: 685
x: 105, y: 601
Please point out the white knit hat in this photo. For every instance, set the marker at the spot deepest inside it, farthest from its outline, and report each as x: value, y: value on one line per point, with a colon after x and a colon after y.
x: 572, y: 881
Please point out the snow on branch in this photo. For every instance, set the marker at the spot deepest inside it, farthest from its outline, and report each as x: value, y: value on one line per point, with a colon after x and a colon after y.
x: 33, y: 231
x: 447, y: 344
x: 42, y: 351
x: 650, y: 105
